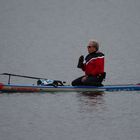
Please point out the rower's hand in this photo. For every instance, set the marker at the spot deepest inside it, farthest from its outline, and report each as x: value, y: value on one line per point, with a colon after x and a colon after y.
x: 81, y: 61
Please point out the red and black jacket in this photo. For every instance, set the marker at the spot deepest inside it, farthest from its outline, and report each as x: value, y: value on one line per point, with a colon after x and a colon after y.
x: 94, y: 64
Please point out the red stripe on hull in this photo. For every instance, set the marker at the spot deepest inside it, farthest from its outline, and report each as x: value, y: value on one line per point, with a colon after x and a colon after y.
x: 1, y: 86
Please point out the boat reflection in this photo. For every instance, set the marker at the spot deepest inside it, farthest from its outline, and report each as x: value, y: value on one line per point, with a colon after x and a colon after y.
x: 91, y: 101
x: 92, y: 94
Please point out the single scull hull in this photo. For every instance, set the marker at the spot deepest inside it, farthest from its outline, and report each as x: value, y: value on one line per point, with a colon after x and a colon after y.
x: 32, y: 88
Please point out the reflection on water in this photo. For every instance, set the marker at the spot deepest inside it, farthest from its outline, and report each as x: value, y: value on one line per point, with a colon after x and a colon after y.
x: 91, y: 101
x: 92, y: 94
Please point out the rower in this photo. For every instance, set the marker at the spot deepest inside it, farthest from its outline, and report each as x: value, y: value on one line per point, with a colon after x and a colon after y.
x: 93, y: 67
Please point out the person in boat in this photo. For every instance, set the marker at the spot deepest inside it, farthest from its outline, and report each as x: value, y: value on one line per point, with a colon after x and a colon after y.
x: 93, y: 67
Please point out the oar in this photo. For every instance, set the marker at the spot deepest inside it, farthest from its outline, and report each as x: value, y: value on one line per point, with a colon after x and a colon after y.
x: 30, y: 77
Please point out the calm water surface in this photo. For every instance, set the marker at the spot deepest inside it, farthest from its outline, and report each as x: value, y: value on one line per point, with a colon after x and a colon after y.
x: 45, y: 38
x: 70, y: 116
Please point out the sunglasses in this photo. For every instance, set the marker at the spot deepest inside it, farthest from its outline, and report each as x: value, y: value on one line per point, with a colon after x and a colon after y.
x: 89, y: 46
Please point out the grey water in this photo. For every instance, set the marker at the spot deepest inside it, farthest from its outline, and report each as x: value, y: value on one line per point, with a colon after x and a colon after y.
x: 45, y: 39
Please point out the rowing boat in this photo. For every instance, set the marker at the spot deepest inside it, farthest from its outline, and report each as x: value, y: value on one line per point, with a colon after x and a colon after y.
x: 60, y: 87
x: 37, y: 88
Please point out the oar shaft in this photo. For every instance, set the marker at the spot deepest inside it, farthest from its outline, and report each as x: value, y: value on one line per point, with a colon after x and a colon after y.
x: 30, y: 77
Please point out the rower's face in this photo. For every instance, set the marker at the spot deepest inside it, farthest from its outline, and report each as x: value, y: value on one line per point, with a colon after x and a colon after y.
x: 91, y: 48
